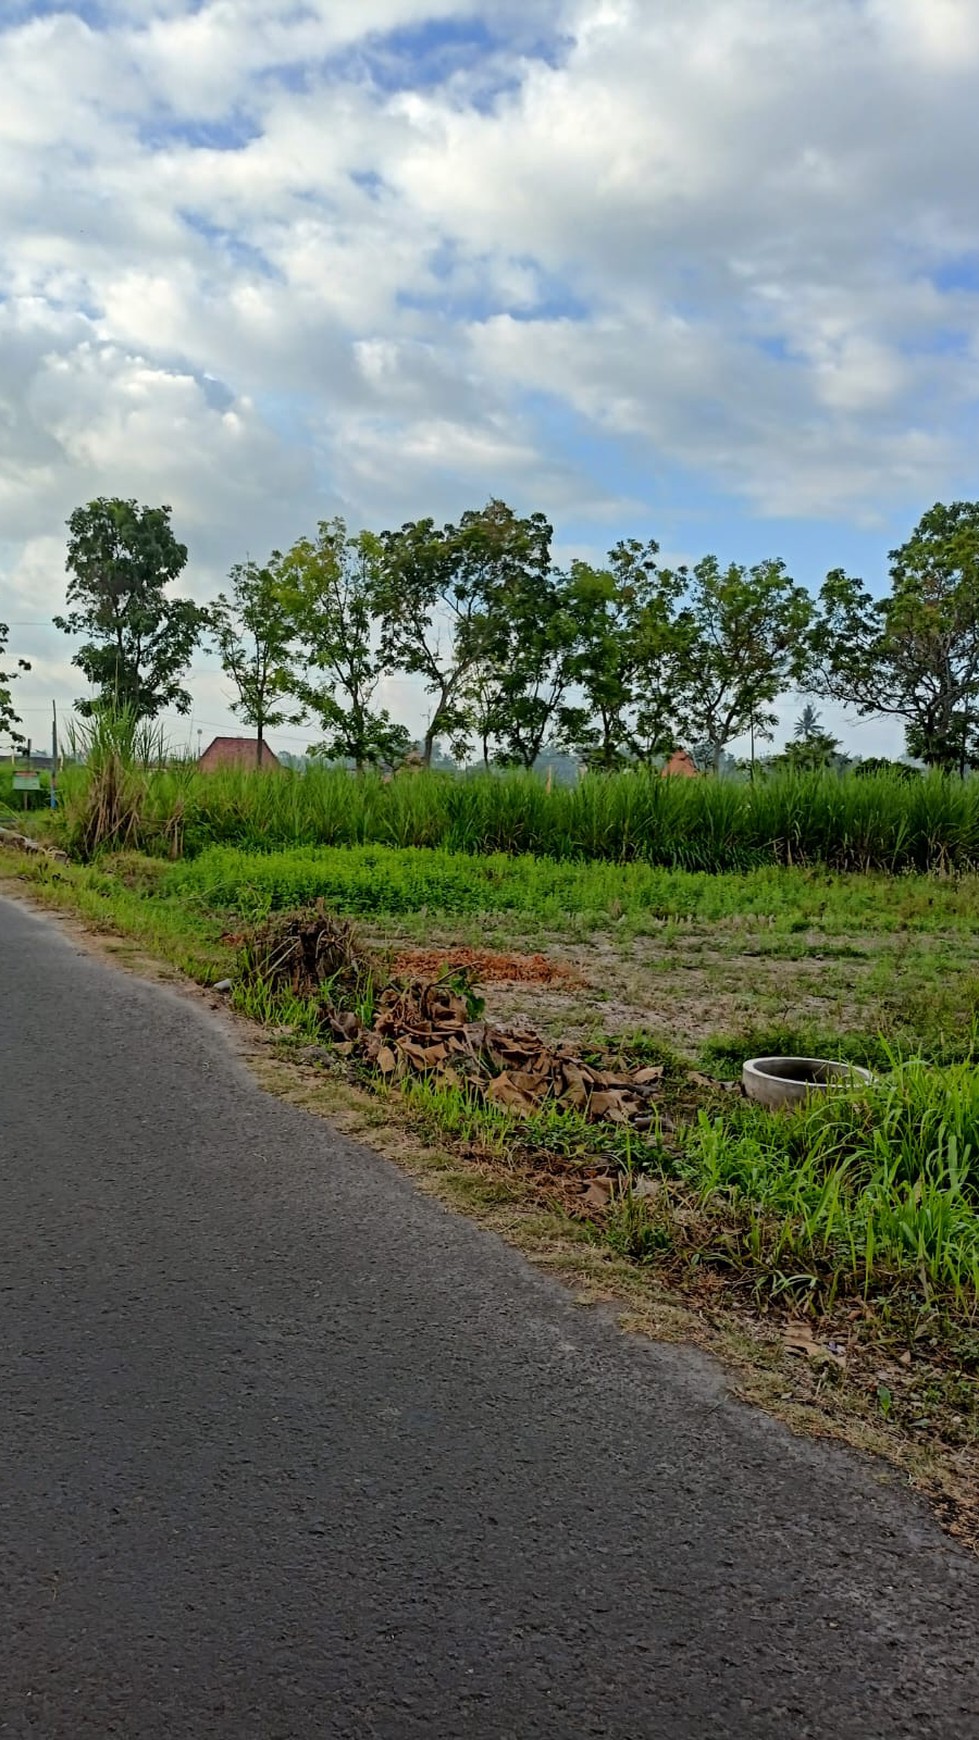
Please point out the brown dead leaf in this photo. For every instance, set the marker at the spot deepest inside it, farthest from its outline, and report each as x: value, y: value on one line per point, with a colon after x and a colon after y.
x: 502, y: 1092
x: 610, y: 1106
x: 799, y: 1339
x: 599, y: 1193
x: 534, y: 1085
x: 575, y: 1097
x: 414, y: 1052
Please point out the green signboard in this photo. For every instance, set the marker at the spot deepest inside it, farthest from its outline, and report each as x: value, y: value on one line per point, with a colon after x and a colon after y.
x: 27, y: 782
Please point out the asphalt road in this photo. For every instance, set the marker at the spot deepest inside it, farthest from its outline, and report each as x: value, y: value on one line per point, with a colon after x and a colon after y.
x: 288, y: 1451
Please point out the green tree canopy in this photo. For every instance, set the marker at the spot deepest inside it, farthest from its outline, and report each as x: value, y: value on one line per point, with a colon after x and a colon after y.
x: 253, y: 631
x: 745, y: 642
x: 811, y: 748
x: 629, y: 651
x: 522, y: 633
x: 121, y: 558
x: 913, y: 654
x: 329, y: 586
x: 9, y: 720
x: 450, y: 600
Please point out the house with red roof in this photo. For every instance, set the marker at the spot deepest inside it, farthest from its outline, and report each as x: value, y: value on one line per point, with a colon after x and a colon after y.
x: 681, y: 765
x: 236, y: 752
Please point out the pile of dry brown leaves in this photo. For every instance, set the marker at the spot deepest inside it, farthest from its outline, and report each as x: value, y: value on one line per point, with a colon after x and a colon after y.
x: 426, y: 1029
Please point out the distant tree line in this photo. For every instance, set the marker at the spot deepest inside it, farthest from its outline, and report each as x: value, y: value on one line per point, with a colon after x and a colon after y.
x: 617, y: 663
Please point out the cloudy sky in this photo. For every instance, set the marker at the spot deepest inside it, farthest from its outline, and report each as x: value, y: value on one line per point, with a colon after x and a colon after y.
x: 704, y: 270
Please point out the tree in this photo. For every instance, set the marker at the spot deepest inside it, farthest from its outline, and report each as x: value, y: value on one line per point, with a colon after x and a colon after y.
x: 445, y: 597
x: 121, y: 558
x: 745, y: 640
x: 329, y: 588
x: 629, y: 651
x: 9, y: 720
x: 806, y: 726
x: 253, y: 631
x: 535, y: 670
x: 878, y: 764
x: 427, y: 610
x: 521, y: 631
x: 812, y: 748
x: 914, y: 654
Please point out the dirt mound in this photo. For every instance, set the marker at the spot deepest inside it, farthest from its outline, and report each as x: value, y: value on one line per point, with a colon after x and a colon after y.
x: 484, y: 967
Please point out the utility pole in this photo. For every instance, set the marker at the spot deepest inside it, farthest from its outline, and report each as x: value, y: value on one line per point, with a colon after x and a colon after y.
x: 53, y: 788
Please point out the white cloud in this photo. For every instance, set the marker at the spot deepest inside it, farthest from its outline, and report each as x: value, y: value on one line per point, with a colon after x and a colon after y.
x: 944, y: 34
x: 265, y: 260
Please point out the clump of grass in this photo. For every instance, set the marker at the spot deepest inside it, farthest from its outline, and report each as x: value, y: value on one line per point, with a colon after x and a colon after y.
x: 105, y: 790
x: 310, y: 954
x: 866, y: 1192
x: 639, y: 1227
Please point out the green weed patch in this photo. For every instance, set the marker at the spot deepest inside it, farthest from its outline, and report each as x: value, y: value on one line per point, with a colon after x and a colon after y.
x: 387, y: 882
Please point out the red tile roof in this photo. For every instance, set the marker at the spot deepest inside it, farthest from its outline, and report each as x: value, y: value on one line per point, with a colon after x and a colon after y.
x: 236, y: 752
x: 681, y: 765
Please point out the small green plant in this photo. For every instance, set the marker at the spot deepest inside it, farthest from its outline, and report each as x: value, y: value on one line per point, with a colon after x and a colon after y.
x: 639, y: 1227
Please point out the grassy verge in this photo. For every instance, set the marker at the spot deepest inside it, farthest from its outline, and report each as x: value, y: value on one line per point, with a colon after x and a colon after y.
x: 856, y: 1219
x: 388, y: 881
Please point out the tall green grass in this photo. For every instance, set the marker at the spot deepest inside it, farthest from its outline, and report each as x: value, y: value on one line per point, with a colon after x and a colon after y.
x: 108, y: 792
x: 858, y: 1191
x: 878, y: 823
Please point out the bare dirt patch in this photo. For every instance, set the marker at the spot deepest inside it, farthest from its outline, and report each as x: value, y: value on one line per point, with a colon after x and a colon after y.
x: 485, y: 967
x: 685, y: 990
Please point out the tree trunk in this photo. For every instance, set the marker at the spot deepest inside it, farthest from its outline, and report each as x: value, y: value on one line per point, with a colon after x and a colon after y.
x: 260, y: 743
x: 435, y: 725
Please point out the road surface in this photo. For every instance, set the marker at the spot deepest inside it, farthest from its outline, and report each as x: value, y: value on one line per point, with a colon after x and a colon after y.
x: 288, y: 1451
